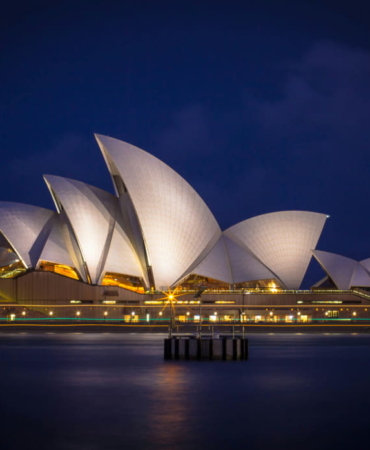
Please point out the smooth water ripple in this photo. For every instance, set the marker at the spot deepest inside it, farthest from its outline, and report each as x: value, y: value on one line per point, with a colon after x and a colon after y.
x: 96, y: 391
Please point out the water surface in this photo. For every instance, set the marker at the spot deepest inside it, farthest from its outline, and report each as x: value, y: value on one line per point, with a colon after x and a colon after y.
x: 114, y: 391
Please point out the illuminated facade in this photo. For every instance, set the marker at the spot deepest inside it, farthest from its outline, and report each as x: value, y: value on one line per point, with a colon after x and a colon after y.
x: 156, y: 233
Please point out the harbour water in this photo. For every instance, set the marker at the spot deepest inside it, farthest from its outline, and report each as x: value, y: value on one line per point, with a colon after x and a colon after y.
x: 102, y: 391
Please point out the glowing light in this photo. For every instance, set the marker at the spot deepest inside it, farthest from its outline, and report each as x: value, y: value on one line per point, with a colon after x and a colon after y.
x: 78, y: 313
x: 105, y: 313
x: 354, y: 313
x: 51, y: 313
x: 160, y: 313
x: 133, y: 313
x: 23, y: 313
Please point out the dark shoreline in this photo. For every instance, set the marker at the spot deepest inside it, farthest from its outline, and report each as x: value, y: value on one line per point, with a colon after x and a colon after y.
x: 163, y: 329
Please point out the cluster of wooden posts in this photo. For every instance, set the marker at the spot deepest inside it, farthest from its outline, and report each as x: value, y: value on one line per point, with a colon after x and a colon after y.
x: 206, y: 348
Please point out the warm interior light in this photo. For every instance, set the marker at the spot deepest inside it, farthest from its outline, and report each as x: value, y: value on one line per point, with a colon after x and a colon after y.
x: 60, y: 269
x: 124, y: 281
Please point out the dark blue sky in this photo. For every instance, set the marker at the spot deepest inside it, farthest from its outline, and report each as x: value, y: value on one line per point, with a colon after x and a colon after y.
x: 261, y: 106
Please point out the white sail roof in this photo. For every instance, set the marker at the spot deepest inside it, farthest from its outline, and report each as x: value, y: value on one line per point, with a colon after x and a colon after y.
x: 344, y: 272
x: 26, y: 227
x: 339, y: 268
x: 55, y: 249
x: 366, y: 263
x: 244, y: 266
x: 121, y: 257
x: 91, y: 213
x: 361, y: 277
x: 282, y: 241
x: 216, y: 264
x: 178, y: 228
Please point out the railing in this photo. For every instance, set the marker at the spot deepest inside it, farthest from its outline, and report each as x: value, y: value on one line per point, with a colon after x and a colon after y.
x: 167, y: 320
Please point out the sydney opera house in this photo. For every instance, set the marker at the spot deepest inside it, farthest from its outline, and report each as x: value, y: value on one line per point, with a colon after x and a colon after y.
x: 122, y: 255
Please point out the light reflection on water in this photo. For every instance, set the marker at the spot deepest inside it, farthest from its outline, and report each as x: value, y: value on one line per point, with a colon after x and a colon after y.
x: 113, y: 391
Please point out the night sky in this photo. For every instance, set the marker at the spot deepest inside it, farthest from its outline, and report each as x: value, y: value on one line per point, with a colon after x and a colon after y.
x: 261, y: 106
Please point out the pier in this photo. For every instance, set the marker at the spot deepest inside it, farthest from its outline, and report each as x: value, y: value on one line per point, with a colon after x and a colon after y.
x: 225, y: 348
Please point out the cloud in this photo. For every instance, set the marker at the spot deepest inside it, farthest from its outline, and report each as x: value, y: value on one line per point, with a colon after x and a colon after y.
x: 326, y: 95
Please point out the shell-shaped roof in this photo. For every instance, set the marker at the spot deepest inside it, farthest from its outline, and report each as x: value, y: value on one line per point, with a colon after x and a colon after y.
x: 121, y: 257
x: 216, y: 264
x: 177, y: 226
x: 91, y: 213
x: 55, y: 249
x: 344, y: 272
x: 361, y: 277
x: 366, y: 263
x: 7, y: 254
x: 244, y: 266
x: 282, y: 241
x: 26, y: 227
